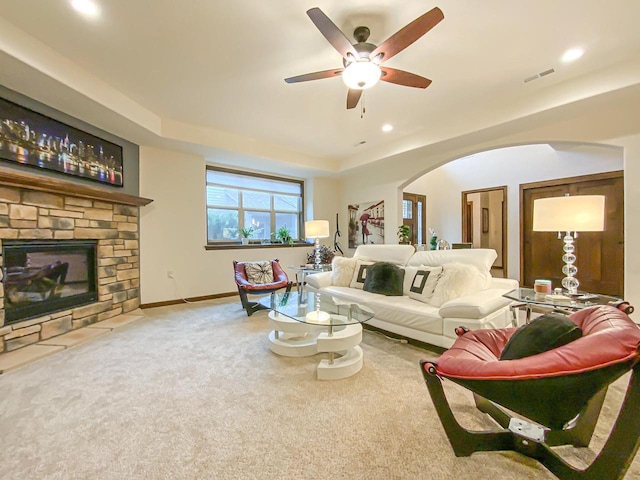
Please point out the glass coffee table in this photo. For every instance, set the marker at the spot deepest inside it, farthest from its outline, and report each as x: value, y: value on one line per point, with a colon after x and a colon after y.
x: 528, y: 299
x: 308, y: 323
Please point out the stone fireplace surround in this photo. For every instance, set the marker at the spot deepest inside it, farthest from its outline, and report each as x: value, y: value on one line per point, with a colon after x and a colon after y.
x: 39, y: 208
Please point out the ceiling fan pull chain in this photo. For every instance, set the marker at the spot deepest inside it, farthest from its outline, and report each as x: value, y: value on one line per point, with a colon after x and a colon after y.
x: 362, y: 106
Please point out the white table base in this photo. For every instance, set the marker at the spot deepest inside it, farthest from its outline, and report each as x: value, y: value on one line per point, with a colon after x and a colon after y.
x: 290, y: 338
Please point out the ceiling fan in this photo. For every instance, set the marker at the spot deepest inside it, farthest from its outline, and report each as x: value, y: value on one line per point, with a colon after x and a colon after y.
x: 362, y: 60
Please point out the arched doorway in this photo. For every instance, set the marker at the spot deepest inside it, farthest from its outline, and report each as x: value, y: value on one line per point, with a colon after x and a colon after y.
x: 510, y: 166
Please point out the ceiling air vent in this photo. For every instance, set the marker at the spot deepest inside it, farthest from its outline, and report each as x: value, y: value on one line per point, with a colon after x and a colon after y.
x: 539, y: 75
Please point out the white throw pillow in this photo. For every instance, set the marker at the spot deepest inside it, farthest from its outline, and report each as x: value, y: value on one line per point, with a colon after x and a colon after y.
x: 259, y: 272
x: 360, y: 273
x: 458, y: 279
x: 342, y: 269
x: 420, y: 282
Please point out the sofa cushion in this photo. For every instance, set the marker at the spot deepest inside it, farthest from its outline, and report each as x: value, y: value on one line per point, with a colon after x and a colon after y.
x: 547, y: 332
x: 353, y: 295
x: 482, y: 258
x: 420, y: 282
x: 397, y: 254
x: 360, y: 273
x: 476, y: 305
x: 384, y: 278
x: 342, y: 271
x: 402, y: 311
x: 458, y: 279
x: 407, y: 312
x: 259, y: 272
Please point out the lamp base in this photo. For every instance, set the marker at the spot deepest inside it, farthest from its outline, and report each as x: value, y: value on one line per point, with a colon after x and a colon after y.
x: 316, y: 263
x: 570, y: 283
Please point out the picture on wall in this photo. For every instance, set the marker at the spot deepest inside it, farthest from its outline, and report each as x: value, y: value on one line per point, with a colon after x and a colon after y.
x: 35, y: 140
x: 485, y: 220
x: 366, y: 223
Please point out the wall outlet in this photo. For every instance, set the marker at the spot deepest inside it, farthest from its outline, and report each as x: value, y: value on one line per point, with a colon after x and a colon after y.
x: 170, y: 274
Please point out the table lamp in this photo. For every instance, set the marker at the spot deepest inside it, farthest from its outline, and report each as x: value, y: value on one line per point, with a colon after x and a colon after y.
x: 579, y: 213
x: 316, y: 229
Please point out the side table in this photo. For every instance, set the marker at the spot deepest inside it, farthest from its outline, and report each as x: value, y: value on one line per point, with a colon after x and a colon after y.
x: 302, y: 271
x: 529, y: 300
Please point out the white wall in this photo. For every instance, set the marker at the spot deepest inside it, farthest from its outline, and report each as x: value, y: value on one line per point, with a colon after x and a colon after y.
x: 173, y: 230
x: 510, y: 166
x: 606, y: 120
x: 631, y: 217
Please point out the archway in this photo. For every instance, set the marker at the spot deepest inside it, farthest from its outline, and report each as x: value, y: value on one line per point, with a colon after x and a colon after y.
x: 508, y: 165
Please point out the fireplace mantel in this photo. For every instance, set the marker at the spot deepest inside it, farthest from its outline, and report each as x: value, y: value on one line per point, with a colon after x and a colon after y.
x: 12, y: 178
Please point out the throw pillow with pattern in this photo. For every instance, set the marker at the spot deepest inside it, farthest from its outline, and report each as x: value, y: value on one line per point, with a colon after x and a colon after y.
x: 259, y: 272
x: 420, y: 282
x: 360, y: 274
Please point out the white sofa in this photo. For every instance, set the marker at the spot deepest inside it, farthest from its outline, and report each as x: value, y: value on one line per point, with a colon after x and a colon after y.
x: 411, y: 318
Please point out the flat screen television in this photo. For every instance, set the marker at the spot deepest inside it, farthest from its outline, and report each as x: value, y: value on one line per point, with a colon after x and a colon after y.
x: 42, y: 277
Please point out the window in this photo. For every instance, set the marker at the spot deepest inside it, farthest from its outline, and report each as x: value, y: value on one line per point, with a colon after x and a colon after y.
x: 238, y: 200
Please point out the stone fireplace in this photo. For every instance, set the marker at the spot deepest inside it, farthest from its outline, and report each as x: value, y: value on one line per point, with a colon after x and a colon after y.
x: 34, y: 208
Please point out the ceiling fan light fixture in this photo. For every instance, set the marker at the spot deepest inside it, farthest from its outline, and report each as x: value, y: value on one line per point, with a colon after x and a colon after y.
x: 361, y: 75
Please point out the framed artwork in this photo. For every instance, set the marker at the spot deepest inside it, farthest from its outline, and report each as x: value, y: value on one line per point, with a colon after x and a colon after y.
x: 366, y: 223
x: 35, y: 140
x: 485, y: 220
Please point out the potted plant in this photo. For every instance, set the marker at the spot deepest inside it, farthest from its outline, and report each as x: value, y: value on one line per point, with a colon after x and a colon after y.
x: 326, y: 255
x: 245, y: 233
x: 284, y: 235
x: 404, y: 234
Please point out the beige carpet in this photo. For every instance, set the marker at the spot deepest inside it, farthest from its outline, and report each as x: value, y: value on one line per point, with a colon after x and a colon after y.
x: 193, y: 392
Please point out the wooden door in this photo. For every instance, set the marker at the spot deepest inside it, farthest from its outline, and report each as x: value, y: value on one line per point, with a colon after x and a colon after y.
x: 600, y: 255
x: 484, y: 223
x: 414, y: 214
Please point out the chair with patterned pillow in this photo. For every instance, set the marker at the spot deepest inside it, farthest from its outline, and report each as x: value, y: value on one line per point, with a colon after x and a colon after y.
x: 259, y: 278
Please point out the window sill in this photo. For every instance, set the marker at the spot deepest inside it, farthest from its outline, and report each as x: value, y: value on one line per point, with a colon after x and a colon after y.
x: 237, y: 246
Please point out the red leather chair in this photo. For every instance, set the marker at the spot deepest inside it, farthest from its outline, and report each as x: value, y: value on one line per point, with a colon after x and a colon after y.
x: 245, y: 288
x: 561, y: 390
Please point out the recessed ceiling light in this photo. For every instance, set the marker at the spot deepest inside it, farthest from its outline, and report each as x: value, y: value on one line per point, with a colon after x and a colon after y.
x: 86, y: 7
x: 387, y: 127
x: 572, y: 54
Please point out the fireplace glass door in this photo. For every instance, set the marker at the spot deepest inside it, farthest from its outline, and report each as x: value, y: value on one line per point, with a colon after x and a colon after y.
x: 42, y: 277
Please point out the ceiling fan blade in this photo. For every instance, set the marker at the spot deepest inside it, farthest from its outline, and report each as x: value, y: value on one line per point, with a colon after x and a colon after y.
x: 353, y: 97
x: 315, y: 76
x: 400, y: 77
x: 332, y: 33
x: 408, y: 34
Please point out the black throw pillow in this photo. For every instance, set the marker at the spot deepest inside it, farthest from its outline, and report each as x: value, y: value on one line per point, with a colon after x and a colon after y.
x: 546, y: 332
x: 384, y: 278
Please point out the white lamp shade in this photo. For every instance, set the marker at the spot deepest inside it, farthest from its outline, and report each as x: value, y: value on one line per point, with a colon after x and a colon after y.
x: 579, y: 213
x: 361, y: 74
x: 316, y: 228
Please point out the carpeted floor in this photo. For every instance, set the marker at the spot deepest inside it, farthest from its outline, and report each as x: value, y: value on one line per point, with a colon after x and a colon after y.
x: 192, y: 392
